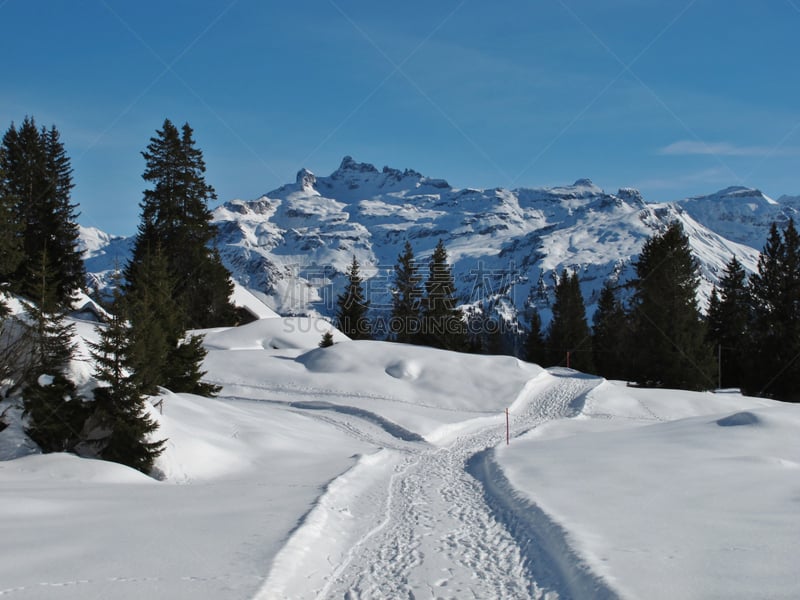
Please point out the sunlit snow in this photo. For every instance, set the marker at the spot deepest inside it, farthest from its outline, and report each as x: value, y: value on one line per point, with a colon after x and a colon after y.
x: 373, y: 470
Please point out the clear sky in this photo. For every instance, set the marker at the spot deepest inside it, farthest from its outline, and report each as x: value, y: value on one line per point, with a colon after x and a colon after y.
x: 674, y: 97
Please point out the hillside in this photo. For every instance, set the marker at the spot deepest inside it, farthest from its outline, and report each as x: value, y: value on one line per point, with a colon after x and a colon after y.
x: 371, y: 469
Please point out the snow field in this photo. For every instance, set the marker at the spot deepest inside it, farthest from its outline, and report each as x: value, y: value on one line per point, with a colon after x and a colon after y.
x: 662, y: 503
x: 375, y: 470
x: 418, y: 389
x: 431, y: 533
x: 238, y: 478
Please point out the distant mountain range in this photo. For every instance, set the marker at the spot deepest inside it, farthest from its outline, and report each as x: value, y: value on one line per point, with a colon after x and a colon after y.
x: 292, y: 245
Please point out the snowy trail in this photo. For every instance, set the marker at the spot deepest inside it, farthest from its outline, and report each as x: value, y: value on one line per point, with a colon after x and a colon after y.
x: 411, y: 522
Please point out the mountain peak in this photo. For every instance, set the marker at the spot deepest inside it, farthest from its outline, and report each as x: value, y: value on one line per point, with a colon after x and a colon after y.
x: 306, y: 179
x: 631, y: 196
x: 583, y: 182
x: 735, y: 192
x: 348, y: 164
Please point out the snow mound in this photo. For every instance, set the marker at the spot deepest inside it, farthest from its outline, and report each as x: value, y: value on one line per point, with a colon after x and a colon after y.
x: 65, y: 467
x: 739, y: 419
x: 404, y: 369
x: 420, y: 389
x: 273, y: 333
x: 450, y: 380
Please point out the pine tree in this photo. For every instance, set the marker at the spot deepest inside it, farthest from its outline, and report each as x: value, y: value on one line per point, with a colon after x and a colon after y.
x: 669, y: 336
x: 327, y: 340
x: 185, y: 374
x: 63, y: 229
x: 175, y: 218
x: 119, y: 427
x: 22, y: 164
x: 36, y: 187
x: 155, y: 318
x: 486, y: 331
x: 568, y: 334
x: 406, y: 298
x: 54, y: 408
x: 352, y: 306
x: 10, y: 230
x: 610, y: 336
x: 534, y: 342
x: 773, y: 367
x: 161, y: 352
x: 727, y: 317
x: 442, y: 324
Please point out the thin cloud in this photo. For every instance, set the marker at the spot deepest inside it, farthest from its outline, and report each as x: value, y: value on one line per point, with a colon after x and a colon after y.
x: 693, y: 148
x: 708, y: 177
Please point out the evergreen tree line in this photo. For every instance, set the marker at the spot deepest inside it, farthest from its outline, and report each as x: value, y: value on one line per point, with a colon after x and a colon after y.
x: 649, y: 331
x: 658, y: 337
x: 754, y: 323
x: 174, y: 282
x: 749, y: 338
x: 423, y: 312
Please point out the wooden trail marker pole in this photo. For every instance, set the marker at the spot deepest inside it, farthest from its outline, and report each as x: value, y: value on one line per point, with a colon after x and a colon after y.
x: 507, y: 431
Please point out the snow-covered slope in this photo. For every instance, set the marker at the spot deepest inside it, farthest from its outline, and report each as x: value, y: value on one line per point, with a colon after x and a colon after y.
x: 740, y: 214
x: 669, y: 494
x: 378, y: 470
x: 102, y: 255
x: 292, y: 245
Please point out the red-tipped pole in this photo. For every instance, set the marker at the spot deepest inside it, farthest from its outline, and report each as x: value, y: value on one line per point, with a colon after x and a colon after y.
x: 507, y: 432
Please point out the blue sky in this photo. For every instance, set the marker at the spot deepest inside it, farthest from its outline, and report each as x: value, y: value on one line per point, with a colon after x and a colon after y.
x: 676, y: 98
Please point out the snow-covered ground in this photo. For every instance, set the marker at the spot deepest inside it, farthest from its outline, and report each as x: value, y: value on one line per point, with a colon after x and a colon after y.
x: 665, y: 494
x: 377, y: 470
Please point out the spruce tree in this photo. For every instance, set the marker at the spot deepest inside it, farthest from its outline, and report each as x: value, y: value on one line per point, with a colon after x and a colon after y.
x: 10, y: 230
x: 442, y: 324
x: 406, y: 298
x: 669, y: 337
x: 727, y: 317
x: 55, y: 410
x: 610, y: 335
x: 63, y: 229
x: 534, y: 341
x: 327, y: 340
x: 185, y: 374
x: 773, y: 368
x: 352, y: 306
x: 155, y: 318
x: 485, y: 330
x: 36, y: 187
x: 568, y: 334
x: 175, y: 218
x: 119, y: 428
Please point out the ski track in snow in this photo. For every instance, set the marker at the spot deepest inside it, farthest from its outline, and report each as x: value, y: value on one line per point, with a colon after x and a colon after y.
x: 411, y: 522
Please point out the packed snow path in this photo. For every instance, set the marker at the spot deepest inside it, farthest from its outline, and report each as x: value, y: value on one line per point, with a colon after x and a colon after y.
x: 410, y: 522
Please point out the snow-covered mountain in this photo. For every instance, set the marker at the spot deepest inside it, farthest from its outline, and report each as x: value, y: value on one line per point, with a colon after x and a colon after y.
x: 292, y: 245
x: 506, y: 246
x: 741, y: 214
x: 102, y: 255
